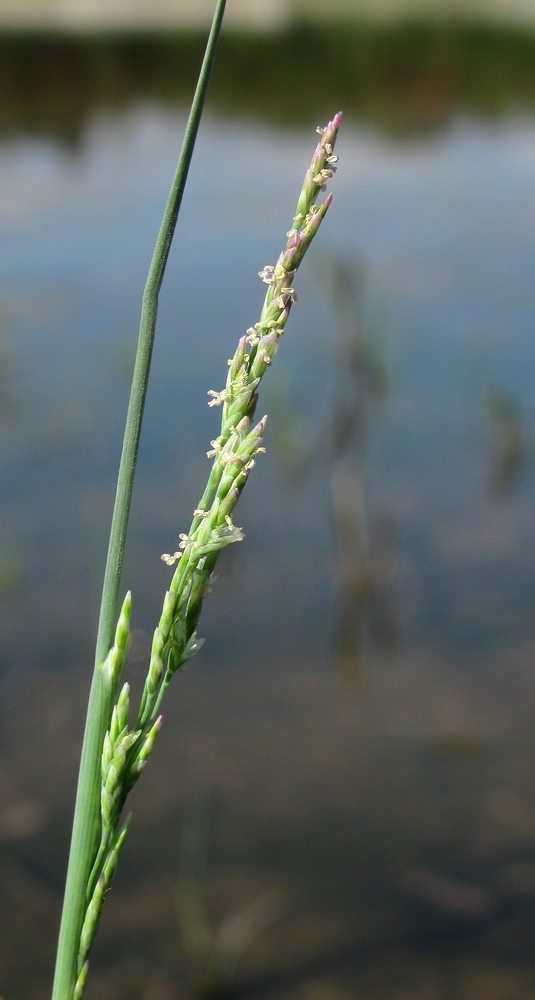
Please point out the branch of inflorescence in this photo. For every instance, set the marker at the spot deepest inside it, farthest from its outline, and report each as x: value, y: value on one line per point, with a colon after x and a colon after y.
x: 114, y: 754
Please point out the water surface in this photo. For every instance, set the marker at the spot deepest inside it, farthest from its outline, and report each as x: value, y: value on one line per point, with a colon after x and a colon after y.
x: 347, y: 767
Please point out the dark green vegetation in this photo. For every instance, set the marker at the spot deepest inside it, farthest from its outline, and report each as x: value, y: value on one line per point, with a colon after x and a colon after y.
x: 406, y: 78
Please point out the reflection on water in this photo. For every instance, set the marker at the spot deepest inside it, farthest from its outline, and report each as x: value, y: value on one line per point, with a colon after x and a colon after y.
x: 405, y: 78
x: 362, y: 549
x: 507, y: 445
x: 328, y: 847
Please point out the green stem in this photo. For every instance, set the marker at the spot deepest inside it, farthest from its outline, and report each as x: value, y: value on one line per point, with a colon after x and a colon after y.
x: 86, y: 833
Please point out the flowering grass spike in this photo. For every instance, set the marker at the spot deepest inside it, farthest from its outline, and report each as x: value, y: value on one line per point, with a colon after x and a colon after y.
x: 233, y: 453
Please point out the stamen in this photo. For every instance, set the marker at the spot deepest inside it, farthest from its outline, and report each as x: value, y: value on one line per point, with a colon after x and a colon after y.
x: 267, y: 274
x: 171, y: 559
x: 219, y: 397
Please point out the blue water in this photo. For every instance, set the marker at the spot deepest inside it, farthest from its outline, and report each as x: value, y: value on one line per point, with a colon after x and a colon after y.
x: 441, y: 233
x: 437, y: 236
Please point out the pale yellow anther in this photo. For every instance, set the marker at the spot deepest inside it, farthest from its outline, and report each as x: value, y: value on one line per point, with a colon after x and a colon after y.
x: 252, y: 336
x: 267, y: 274
x: 219, y: 397
x: 171, y: 559
x: 229, y: 456
x: 322, y: 176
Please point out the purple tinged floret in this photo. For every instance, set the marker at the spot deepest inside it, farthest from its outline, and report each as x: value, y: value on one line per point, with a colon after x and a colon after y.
x: 234, y: 449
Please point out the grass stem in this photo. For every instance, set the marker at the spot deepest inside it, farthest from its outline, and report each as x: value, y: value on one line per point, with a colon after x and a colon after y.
x: 86, y: 823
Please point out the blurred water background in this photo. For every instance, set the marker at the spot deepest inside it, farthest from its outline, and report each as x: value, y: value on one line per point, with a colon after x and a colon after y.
x: 342, y: 802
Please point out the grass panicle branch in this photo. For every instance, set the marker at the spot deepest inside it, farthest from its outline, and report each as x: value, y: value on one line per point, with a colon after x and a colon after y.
x: 238, y: 443
x: 123, y: 752
x: 86, y: 840
x: 233, y: 453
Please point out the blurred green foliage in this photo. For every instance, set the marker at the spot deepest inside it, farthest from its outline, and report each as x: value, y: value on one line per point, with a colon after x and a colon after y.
x: 405, y: 78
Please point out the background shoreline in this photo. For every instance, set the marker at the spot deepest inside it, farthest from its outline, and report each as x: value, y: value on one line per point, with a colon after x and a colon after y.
x: 260, y: 15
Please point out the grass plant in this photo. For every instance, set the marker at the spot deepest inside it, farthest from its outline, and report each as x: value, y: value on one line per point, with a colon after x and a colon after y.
x: 115, y: 751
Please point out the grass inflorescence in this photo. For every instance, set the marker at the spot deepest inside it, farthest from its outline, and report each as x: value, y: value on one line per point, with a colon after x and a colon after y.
x: 115, y: 751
